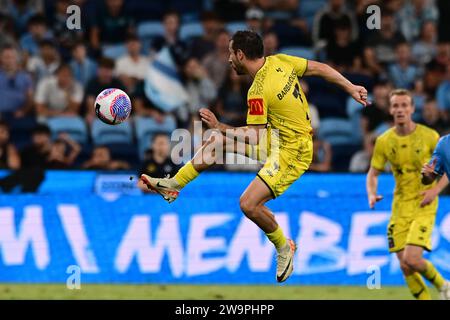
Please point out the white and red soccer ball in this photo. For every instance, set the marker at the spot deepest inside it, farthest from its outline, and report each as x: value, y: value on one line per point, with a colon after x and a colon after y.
x: 112, y: 106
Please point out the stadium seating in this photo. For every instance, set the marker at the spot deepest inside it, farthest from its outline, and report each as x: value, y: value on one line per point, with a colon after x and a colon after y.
x: 147, y: 127
x: 191, y: 30
x: 232, y: 27
x: 336, y: 131
x: 20, y: 130
x: 75, y: 127
x: 308, y: 9
x: 150, y: 29
x: 303, y: 52
x: 114, y: 51
x: 104, y: 134
x: 354, y: 114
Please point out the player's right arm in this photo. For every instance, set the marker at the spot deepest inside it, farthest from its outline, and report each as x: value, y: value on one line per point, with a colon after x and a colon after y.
x: 315, y: 68
x: 376, y: 167
x: 372, y: 186
x: 305, y: 67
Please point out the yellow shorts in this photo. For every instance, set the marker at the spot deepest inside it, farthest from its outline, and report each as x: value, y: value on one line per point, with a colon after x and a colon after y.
x: 284, y: 165
x: 413, y: 231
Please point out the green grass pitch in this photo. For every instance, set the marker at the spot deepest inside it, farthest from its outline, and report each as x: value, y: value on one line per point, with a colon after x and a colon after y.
x: 185, y: 292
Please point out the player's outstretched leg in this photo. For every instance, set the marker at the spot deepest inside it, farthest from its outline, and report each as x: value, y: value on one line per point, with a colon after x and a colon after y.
x: 252, y: 204
x: 413, y: 257
x: 414, y: 280
x: 169, y: 188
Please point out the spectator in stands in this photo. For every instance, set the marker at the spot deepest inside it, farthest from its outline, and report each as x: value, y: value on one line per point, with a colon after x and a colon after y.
x: 431, y: 117
x: 443, y: 96
x: 133, y: 66
x: 9, y: 157
x: 216, y: 63
x: 21, y: 11
x: 83, y: 67
x: 33, y: 163
x: 6, y: 31
x: 231, y: 10
x: 61, y: 158
x: 378, y: 113
x: 254, y: 20
x: 36, y: 154
x: 16, y: 87
x: 104, y: 80
x: 271, y: 43
x: 157, y: 161
x: 341, y: 51
x: 435, y: 70
x: 143, y: 107
x: 379, y: 49
x: 231, y: 104
x: 212, y: 25
x: 403, y: 72
x: 111, y: 24
x: 326, y: 19
x: 414, y: 14
x: 360, y: 161
x: 101, y: 160
x: 46, y: 63
x: 171, y: 38
x: 66, y: 37
x: 322, y: 156
x: 37, y: 31
x: 200, y: 88
x: 59, y: 95
x: 424, y: 49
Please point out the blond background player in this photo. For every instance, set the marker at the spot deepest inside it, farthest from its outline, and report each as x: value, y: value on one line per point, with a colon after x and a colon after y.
x: 278, y: 116
x: 407, y: 146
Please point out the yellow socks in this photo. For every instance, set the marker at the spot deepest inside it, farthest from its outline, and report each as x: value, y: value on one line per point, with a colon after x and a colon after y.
x: 432, y: 275
x: 277, y: 238
x: 418, y: 287
x: 186, y: 174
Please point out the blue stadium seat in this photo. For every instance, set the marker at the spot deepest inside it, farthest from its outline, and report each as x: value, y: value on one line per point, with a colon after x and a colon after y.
x: 114, y: 51
x: 336, y: 131
x: 232, y: 27
x: 354, y: 110
x: 21, y: 129
x: 147, y: 127
x: 308, y: 8
x: 150, y: 29
x: 303, y: 52
x: 75, y: 127
x: 191, y: 30
x: 104, y: 134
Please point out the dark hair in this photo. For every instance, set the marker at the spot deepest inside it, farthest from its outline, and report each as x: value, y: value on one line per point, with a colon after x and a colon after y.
x: 47, y: 43
x: 171, y: 13
x: 41, y: 129
x: 107, y: 63
x: 132, y: 37
x: 62, y: 67
x: 37, y: 19
x: 209, y: 16
x: 5, y: 124
x: 159, y: 134
x: 250, y: 43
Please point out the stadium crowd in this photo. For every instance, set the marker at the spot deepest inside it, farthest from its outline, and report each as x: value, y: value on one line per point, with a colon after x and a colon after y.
x: 50, y: 75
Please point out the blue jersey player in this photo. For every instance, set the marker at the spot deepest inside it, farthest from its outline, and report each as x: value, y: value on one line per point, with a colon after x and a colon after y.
x: 439, y: 166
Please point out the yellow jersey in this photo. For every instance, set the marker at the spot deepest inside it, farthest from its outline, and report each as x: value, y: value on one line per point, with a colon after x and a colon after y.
x: 276, y: 99
x: 406, y: 155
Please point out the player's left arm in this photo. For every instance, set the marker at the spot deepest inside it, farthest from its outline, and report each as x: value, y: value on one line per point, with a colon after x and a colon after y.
x: 249, y: 134
x: 315, y: 68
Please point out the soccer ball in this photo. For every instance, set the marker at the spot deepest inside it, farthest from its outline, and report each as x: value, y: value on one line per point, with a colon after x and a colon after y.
x: 112, y: 106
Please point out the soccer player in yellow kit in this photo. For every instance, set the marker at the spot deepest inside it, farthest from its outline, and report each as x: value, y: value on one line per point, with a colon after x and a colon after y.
x: 278, y: 128
x: 407, y: 146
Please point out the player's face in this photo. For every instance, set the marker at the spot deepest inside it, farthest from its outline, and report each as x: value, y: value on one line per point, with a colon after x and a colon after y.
x: 401, y: 109
x: 235, y: 60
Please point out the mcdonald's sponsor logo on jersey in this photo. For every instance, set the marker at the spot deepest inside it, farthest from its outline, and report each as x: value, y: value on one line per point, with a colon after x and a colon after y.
x: 256, y: 107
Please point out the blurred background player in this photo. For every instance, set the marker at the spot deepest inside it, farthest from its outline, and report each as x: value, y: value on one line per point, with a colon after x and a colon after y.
x: 406, y: 147
x: 278, y: 112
